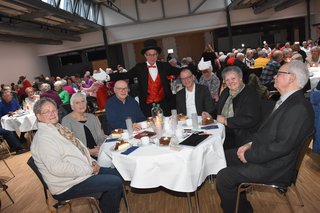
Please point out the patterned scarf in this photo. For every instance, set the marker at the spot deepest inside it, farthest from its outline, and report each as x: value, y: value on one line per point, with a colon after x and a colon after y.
x: 227, y: 110
x: 67, y: 134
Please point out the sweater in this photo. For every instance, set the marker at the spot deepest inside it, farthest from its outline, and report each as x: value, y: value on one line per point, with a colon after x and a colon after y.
x: 61, y: 164
x: 117, y: 112
x: 77, y: 128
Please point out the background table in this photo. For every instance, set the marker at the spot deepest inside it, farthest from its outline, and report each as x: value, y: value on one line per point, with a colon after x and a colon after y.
x: 152, y: 165
x: 314, y: 76
x: 22, y: 123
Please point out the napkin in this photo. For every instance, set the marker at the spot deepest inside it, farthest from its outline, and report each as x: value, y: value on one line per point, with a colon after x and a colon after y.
x: 128, y: 151
x: 110, y: 140
x: 210, y: 127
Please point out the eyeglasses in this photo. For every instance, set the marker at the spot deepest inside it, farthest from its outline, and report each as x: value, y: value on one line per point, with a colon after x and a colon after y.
x: 151, y: 55
x: 48, y: 112
x: 122, y: 89
x: 186, y: 78
x: 283, y: 72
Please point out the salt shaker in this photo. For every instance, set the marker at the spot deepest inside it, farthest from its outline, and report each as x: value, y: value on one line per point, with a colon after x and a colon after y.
x: 194, y: 118
x: 129, y: 126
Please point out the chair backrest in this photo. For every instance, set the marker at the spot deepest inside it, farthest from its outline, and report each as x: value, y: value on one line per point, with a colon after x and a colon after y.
x: 301, y: 154
x: 92, y: 104
x: 257, y: 71
x: 35, y: 169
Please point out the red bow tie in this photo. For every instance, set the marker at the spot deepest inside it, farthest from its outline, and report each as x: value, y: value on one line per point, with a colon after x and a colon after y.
x: 152, y: 66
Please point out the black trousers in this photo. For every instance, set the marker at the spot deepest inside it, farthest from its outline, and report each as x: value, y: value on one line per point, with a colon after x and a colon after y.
x: 228, y: 180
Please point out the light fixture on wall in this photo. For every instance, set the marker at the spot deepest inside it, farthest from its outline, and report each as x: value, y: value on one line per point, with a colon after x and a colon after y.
x: 145, y: 1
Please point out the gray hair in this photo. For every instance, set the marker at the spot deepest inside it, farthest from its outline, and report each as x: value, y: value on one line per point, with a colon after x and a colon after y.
x: 234, y: 69
x: 261, y: 53
x: 315, y: 48
x: 37, y: 106
x: 45, y: 87
x: 287, y: 51
x: 78, y: 95
x: 300, y: 70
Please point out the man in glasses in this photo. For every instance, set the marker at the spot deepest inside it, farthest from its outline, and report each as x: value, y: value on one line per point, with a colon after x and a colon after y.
x: 121, y: 106
x: 193, y: 98
x: 154, y: 87
x: 270, y: 155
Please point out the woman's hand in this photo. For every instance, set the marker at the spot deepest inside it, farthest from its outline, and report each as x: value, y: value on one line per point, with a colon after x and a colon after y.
x: 95, y: 151
x: 136, y: 126
x: 205, y: 115
x: 222, y: 119
x: 95, y: 168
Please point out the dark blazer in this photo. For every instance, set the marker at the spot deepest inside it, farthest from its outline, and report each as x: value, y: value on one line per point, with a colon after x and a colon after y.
x: 246, y: 119
x: 277, y: 142
x: 203, y: 100
x: 141, y: 72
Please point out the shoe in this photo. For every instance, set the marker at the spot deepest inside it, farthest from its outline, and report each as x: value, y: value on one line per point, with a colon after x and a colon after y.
x: 21, y: 151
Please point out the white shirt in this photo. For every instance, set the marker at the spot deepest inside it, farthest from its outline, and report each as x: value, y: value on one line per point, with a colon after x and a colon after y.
x: 190, y: 102
x: 153, y: 71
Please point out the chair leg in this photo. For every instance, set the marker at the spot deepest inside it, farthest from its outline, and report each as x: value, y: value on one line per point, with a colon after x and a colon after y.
x: 125, y: 198
x: 8, y: 168
x: 96, y: 204
x: 189, y: 202
x: 197, y: 201
x: 4, y: 188
x: 238, y: 198
x: 298, y: 194
x: 211, y: 179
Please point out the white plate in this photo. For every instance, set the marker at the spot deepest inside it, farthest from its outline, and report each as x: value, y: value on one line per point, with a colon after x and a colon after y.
x: 112, y: 148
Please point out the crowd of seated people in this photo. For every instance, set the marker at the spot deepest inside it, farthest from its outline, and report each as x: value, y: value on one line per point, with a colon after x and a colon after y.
x: 218, y: 87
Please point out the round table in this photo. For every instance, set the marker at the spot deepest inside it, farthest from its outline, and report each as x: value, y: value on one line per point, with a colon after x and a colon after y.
x: 22, y: 122
x: 152, y: 165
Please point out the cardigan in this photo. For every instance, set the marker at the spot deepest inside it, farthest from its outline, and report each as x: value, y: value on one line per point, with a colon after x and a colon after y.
x: 77, y: 128
x: 61, y: 164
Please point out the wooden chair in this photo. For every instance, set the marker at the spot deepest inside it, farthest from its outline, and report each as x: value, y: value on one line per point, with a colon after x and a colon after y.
x: 282, y: 187
x: 3, y: 188
x: 4, y: 154
x: 60, y: 203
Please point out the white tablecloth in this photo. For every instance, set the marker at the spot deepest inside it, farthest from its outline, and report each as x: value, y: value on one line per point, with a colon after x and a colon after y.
x: 153, y: 166
x: 314, y: 73
x: 23, y: 122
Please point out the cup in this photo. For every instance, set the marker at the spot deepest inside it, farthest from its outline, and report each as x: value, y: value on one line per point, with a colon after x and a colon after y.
x: 144, y: 124
x: 158, y: 128
x: 125, y: 135
x: 145, y: 140
x: 129, y: 126
x: 194, y: 118
x: 189, y: 122
x: 179, y: 132
x: 174, y: 112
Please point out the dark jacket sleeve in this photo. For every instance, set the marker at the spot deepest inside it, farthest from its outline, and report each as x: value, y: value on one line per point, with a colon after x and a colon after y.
x: 246, y: 106
x: 282, y: 134
x: 181, y: 102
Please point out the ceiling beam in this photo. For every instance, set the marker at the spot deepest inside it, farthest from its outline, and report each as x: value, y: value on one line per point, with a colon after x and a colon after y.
x: 21, y: 39
x: 234, y: 4
x: 36, y: 32
x: 267, y: 5
x: 38, y: 4
x: 287, y: 4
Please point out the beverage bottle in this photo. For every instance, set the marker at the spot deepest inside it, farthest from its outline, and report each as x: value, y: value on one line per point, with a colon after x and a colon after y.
x: 154, y: 111
x: 160, y: 113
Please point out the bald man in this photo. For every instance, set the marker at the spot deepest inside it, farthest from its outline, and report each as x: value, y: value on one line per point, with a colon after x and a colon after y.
x: 271, y: 70
x: 121, y: 106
